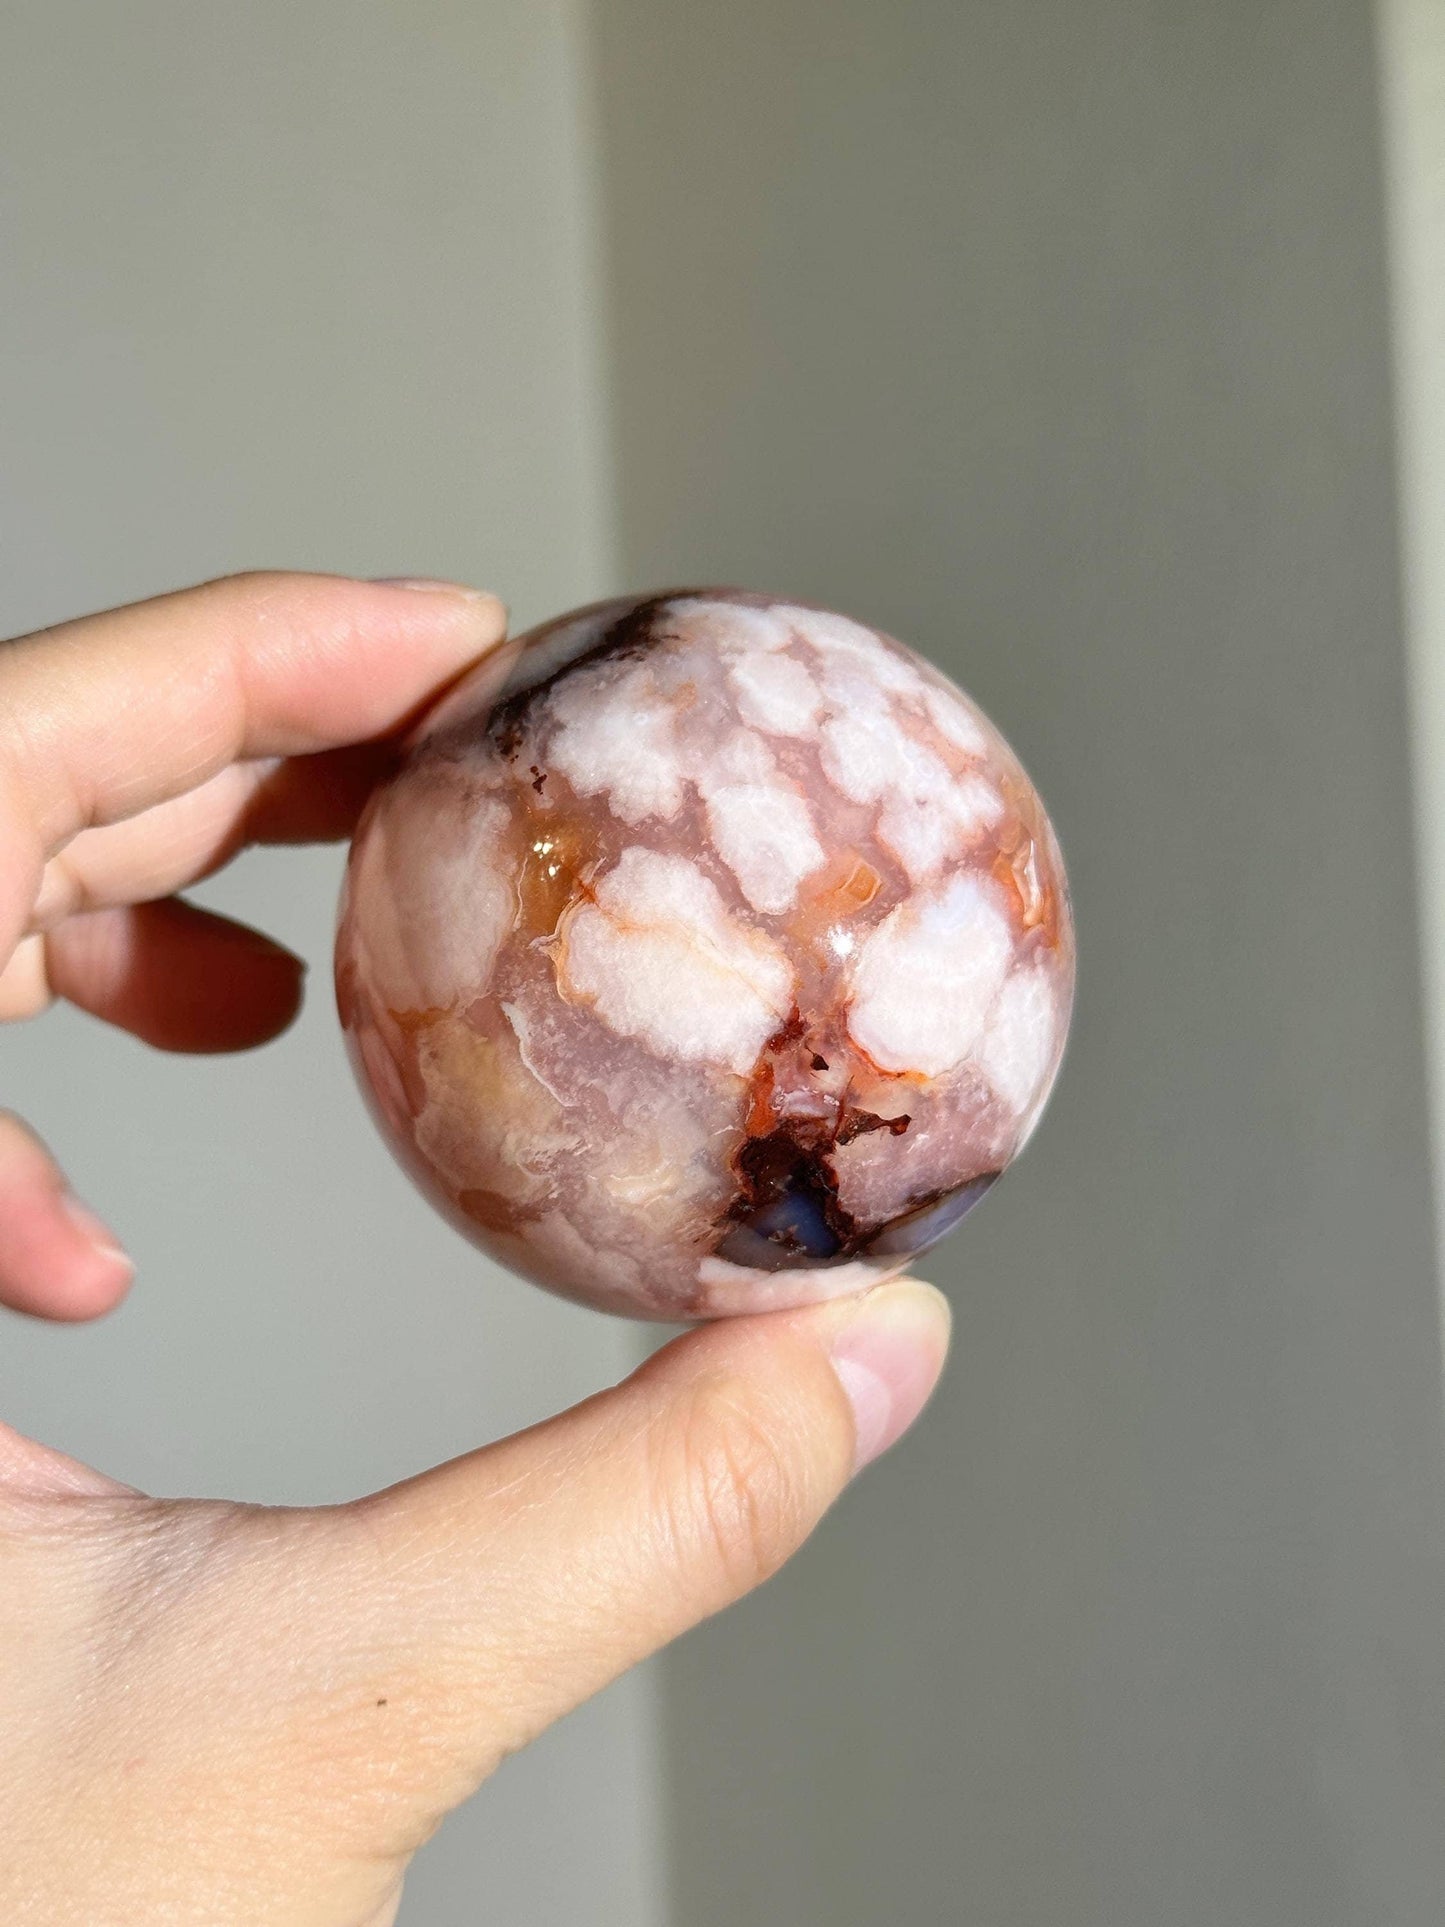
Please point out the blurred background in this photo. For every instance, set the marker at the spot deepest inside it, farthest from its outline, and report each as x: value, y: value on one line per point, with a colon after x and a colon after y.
x: 1099, y: 350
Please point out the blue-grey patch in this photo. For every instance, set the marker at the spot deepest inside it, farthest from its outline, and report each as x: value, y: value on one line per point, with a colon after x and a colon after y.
x: 787, y: 1233
x: 916, y: 1230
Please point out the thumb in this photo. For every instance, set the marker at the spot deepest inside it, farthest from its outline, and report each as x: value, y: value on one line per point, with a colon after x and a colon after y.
x: 487, y: 1598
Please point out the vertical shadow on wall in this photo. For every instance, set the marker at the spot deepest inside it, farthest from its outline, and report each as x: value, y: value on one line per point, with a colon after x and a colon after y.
x: 1053, y: 338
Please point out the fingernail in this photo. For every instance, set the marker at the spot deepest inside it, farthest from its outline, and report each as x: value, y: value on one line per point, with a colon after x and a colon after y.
x: 96, y: 1233
x: 888, y: 1358
x: 432, y: 585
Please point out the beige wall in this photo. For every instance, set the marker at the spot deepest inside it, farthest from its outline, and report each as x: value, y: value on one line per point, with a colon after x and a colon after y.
x: 1055, y: 337
x: 304, y: 285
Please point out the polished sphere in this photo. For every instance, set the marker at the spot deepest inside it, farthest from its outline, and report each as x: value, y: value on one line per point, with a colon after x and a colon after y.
x: 708, y: 953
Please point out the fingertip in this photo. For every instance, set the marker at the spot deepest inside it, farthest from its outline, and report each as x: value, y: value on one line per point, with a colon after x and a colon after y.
x: 887, y: 1347
x: 267, y: 990
x: 58, y: 1260
x: 888, y: 1356
x: 90, y: 1276
x: 178, y: 977
x: 476, y: 616
x: 371, y: 658
x: 489, y: 606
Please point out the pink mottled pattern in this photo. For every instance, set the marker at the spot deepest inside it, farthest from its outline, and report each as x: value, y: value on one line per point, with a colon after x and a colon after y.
x: 709, y: 953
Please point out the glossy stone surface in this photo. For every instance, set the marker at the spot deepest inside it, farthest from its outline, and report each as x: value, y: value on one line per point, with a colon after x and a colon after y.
x: 709, y: 953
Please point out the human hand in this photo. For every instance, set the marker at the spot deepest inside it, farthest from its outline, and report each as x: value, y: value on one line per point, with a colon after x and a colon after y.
x: 230, y: 1713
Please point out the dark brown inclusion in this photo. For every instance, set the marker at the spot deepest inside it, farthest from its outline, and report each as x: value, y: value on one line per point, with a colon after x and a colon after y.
x: 787, y: 1217
x: 629, y: 637
x: 786, y: 1214
x: 857, y: 1123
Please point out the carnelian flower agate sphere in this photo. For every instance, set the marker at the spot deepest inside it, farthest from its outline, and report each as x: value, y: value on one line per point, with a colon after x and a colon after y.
x: 709, y: 953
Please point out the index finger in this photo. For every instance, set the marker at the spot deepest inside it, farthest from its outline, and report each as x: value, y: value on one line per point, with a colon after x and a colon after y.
x: 103, y: 717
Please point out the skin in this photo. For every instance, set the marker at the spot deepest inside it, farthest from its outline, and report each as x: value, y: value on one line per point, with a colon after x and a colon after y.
x: 220, y: 1712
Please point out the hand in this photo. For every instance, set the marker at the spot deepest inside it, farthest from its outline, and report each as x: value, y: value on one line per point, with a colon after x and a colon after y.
x: 227, y: 1713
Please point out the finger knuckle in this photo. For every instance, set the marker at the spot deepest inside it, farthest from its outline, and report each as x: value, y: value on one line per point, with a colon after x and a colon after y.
x: 741, y: 1503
